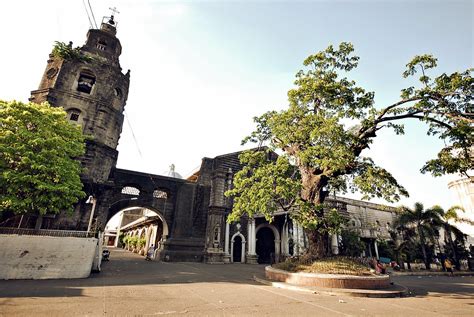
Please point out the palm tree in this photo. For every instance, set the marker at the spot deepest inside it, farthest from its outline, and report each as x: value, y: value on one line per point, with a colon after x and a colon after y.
x: 450, y: 230
x: 425, y: 224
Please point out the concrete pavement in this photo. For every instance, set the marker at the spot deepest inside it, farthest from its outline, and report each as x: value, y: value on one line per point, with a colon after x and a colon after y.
x: 128, y: 285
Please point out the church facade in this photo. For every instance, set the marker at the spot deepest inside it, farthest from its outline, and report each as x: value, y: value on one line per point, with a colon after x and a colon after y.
x: 191, y: 213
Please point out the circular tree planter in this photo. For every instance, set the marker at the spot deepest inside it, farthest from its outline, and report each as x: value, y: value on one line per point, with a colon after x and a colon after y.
x: 328, y: 280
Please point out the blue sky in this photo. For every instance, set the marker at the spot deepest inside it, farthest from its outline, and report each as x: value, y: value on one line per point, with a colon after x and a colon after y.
x: 201, y: 70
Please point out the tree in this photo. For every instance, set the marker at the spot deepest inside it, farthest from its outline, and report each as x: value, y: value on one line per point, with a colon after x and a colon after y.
x: 37, y: 150
x: 456, y: 246
x: 351, y: 245
x: 425, y: 222
x: 320, y: 152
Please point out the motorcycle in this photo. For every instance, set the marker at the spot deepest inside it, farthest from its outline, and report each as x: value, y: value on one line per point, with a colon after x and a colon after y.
x: 105, y: 255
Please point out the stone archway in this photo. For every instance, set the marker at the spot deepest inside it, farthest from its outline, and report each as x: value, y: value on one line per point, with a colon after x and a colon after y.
x: 237, y: 248
x: 268, y: 243
x: 145, y: 223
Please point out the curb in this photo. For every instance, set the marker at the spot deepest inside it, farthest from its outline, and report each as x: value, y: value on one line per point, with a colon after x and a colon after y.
x: 402, y: 291
x: 431, y: 274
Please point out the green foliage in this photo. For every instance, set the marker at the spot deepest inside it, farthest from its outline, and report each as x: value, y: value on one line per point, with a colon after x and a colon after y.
x: 321, y: 153
x: 133, y: 241
x: 67, y: 52
x: 331, y: 265
x: 263, y: 185
x: 351, y: 245
x: 141, y: 242
x: 37, y: 150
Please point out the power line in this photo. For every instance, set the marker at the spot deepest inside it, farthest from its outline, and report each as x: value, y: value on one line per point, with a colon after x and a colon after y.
x: 92, y: 12
x: 133, y: 135
x: 87, y: 12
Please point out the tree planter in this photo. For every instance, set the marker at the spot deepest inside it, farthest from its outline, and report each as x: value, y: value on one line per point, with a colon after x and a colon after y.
x: 328, y: 280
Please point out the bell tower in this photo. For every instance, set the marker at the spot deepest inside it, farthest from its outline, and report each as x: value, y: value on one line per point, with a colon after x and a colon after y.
x: 90, y: 86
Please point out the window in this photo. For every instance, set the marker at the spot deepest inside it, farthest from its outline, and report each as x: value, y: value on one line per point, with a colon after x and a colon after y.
x: 86, y: 82
x: 74, y: 115
x: 129, y: 190
x: 118, y: 93
x: 160, y: 194
x: 101, y: 45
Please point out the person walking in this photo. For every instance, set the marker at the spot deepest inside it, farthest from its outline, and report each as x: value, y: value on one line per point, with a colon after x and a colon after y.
x: 449, y: 266
x: 150, y: 253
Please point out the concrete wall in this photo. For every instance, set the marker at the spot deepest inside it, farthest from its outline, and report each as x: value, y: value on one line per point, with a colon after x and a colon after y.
x: 38, y: 257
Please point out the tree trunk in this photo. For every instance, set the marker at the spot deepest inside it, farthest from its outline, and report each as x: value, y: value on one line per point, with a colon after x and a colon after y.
x: 312, y: 191
x: 453, y: 248
x: 317, y: 244
x: 423, y: 249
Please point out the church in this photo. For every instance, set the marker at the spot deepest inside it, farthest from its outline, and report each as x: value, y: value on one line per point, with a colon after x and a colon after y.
x: 185, y: 218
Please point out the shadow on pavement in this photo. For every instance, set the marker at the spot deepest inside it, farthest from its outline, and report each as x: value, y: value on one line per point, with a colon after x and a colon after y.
x: 126, y: 269
x: 457, y: 287
x: 129, y: 269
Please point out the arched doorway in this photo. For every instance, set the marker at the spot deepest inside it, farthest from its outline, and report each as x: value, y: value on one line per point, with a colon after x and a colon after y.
x: 237, y: 249
x: 265, y: 245
x: 237, y: 252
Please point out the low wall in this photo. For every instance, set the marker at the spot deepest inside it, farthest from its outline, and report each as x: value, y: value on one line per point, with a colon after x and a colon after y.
x: 328, y: 280
x: 43, y: 257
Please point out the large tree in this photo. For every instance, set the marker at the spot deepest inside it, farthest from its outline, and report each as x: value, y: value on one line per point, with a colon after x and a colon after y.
x: 38, y: 173
x: 329, y: 122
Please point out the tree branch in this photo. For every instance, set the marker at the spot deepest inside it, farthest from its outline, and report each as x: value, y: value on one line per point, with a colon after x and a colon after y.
x: 401, y: 102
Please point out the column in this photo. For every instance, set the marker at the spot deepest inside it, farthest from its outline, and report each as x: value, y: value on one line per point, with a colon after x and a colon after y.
x: 252, y: 256
x: 376, y: 249
x: 277, y: 251
x: 226, y: 257
x: 253, y: 237
x: 334, y: 244
x: 226, y: 246
x: 249, y: 236
x: 285, y: 249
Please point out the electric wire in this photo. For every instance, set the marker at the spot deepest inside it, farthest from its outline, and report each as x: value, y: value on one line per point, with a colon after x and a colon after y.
x: 92, y: 12
x: 87, y: 12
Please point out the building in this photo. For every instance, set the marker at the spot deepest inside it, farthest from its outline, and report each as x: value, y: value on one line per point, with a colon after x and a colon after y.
x: 464, y: 190
x: 185, y: 217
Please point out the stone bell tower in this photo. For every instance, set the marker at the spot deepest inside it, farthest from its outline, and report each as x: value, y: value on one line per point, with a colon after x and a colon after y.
x: 93, y: 91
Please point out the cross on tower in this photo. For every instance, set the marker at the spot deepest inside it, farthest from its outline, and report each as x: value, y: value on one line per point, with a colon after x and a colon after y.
x: 114, y: 10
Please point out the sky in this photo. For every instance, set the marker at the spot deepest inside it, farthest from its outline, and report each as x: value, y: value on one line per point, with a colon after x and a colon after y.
x: 201, y: 70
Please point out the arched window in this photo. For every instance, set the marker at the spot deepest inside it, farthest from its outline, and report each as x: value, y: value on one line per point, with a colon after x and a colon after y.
x: 86, y: 81
x: 129, y: 190
x: 118, y: 93
x: 101, y: 45
x: 74, y: 115
x: 159, y: 194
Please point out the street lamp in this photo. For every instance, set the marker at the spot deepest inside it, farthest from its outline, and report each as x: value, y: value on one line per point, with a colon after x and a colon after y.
x: 91, y: 200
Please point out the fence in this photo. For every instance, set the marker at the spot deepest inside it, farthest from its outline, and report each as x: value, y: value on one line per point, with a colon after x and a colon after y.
x: 47, y: 232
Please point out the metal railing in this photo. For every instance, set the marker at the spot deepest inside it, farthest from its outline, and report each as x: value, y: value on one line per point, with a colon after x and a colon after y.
x: 47, y: 232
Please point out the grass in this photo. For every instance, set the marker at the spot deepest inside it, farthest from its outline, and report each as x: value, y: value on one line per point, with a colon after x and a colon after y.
x: 331, y: 265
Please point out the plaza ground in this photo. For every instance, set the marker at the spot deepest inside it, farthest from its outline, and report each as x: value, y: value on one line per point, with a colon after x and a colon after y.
x: 128, y: 285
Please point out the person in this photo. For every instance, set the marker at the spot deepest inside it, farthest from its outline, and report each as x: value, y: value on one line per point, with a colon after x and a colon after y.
x: 381, y: 267
x: 449, y: 266
x: 150, y: 253
x: 105, y: 255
